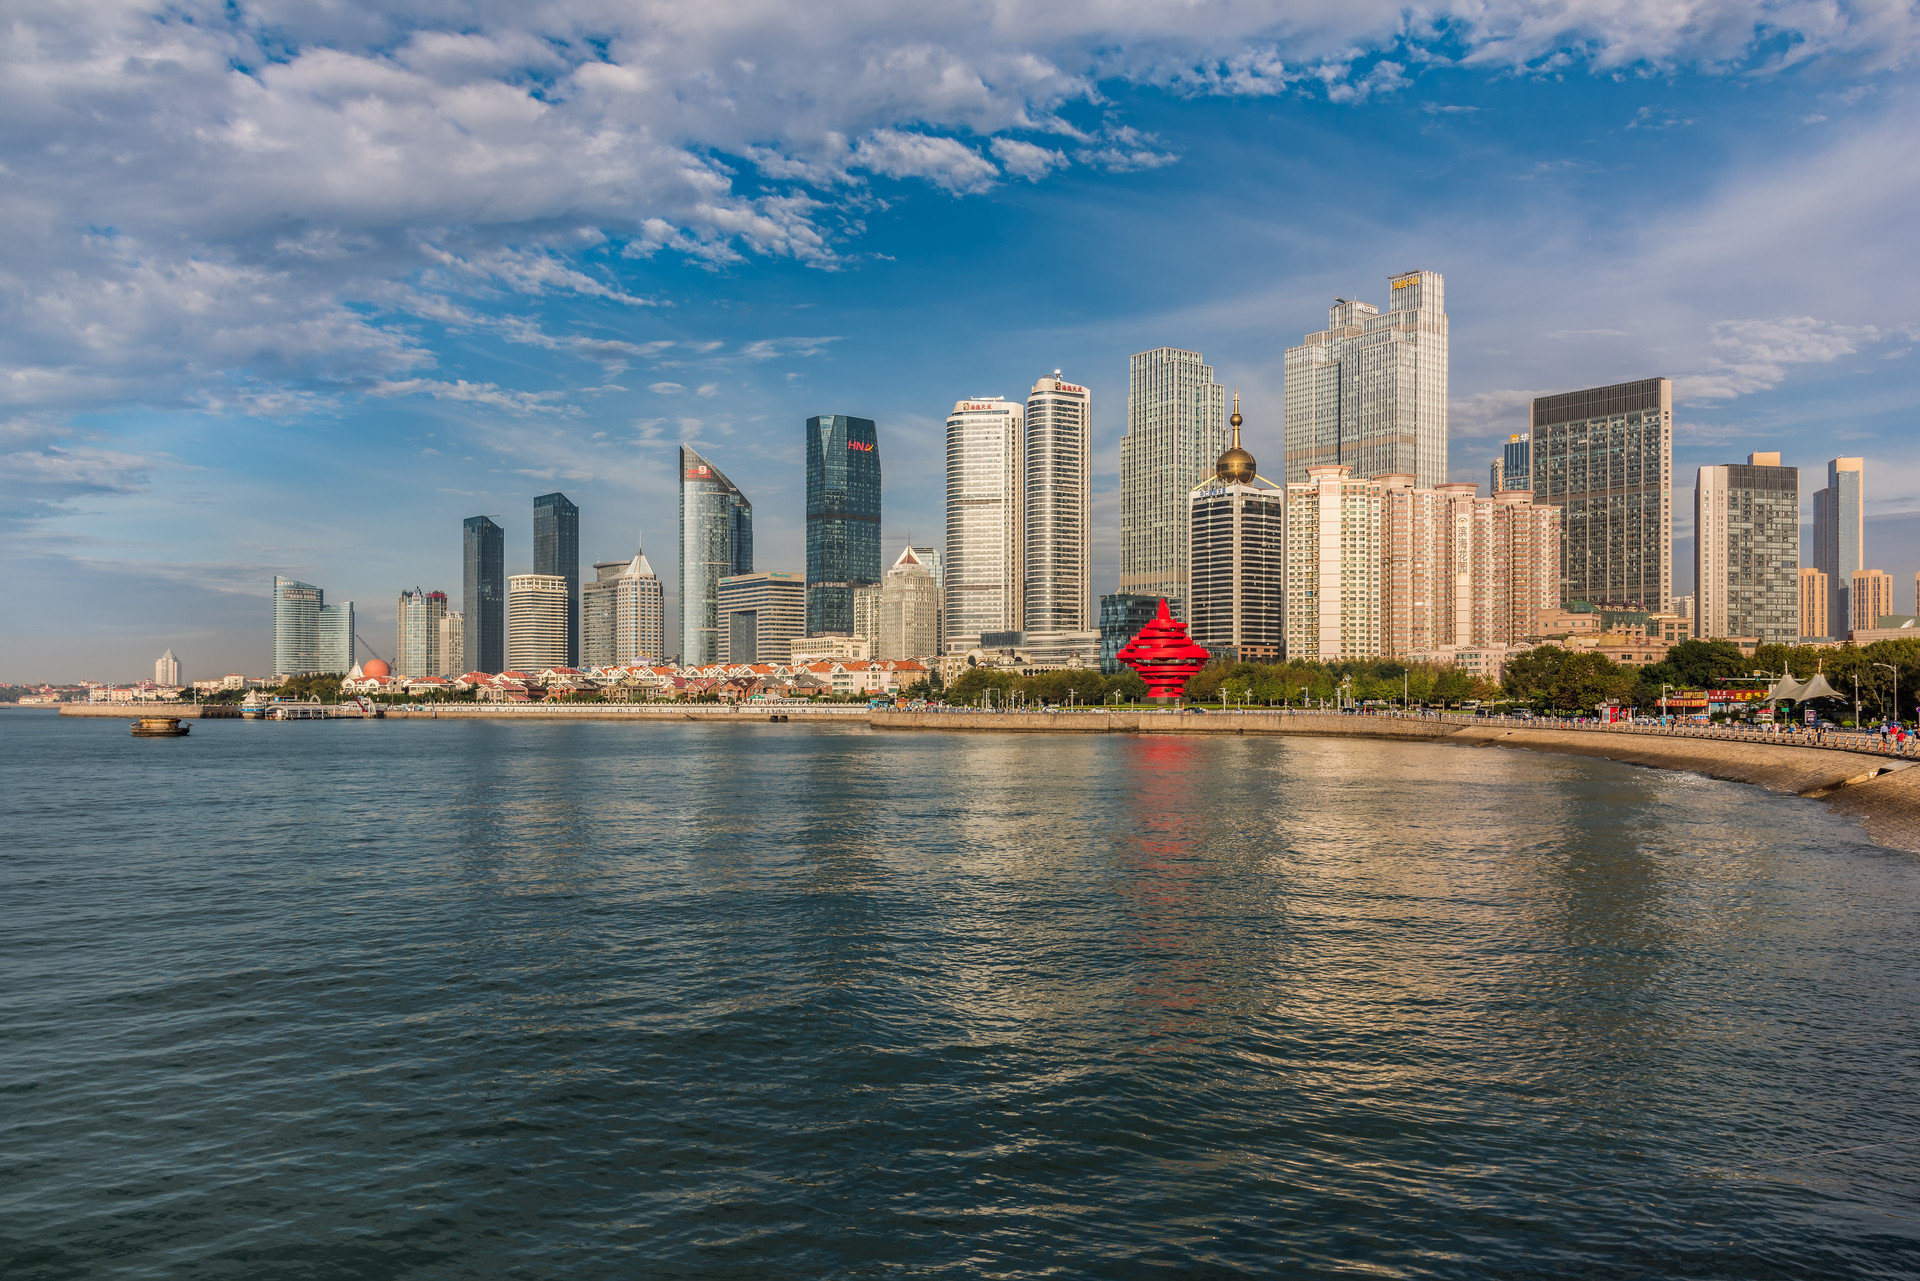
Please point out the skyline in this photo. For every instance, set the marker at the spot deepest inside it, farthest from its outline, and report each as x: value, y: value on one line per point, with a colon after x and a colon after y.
x: 200, y: 398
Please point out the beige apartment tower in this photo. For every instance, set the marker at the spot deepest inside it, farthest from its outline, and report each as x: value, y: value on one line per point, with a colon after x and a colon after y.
x: 1461, y: 570
x: 1746, y: 521
x: 1814, y: 598
x: 537, y: 607
x: 908, y: 615
x: 1057, y: 539
x: 1332, y: 585
x: 985, y: 544
x: 1872, y: 597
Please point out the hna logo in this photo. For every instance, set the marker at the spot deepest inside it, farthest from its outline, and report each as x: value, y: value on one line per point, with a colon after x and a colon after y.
x: 864, y: 446
x: 698, y: 473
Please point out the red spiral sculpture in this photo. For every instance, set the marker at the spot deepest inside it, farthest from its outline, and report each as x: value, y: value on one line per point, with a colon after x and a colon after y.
x: 1164, y: 655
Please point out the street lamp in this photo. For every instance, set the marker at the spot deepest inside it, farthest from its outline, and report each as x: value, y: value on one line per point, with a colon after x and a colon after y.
x: 1896, y: 689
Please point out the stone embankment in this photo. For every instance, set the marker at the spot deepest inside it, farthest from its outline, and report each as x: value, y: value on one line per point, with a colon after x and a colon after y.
x: 1853, y: 773
x: 837, y: 713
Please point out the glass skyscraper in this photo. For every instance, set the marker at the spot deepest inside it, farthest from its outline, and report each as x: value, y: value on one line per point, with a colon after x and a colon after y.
x: 334, y: 651
x: 1176, y: 428
x: 1369, y: 392
x: 716, y: 542
x: 1839, y: 537
x: 843, y: 518
x: 1516, y: 462
x: 296, y: 627
x: 1604, y: 457
x: 483, y: 601
x: 556, y: 551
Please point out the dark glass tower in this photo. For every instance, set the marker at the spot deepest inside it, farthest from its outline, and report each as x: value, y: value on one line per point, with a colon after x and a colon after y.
x: 556, y: 550
x: 716, y: 542
x: 843, y: 518
x: 484, y: 595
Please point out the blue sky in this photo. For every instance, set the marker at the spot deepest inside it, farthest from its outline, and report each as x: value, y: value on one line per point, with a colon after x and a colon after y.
x: 294, y: 287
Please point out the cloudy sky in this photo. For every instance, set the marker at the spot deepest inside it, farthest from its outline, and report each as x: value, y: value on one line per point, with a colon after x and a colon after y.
x: 294, y: 286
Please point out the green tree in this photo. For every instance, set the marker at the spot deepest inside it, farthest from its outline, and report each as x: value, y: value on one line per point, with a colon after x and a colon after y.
x: 1585, y: 681
x: 1704, y: 664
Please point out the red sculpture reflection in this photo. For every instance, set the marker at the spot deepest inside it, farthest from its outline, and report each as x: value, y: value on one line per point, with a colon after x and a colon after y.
x: 1164, y: 655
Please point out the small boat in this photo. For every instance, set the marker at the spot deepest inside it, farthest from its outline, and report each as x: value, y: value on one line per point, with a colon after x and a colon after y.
x: 160, y: 727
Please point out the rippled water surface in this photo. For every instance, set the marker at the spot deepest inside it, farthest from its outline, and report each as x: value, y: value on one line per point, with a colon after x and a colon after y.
x: 437, y: 1000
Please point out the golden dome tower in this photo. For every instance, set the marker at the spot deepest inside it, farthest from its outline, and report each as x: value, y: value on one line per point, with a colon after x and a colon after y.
x: 1236, y: 465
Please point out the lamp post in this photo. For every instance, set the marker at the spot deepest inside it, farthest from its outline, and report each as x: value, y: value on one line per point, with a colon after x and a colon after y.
x: 1896, y: 689
x: 1664, y: 687
x: 1856, y: 700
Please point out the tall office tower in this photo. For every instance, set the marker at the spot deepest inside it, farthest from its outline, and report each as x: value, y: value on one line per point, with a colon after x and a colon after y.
x: 1333, y: 566
x: 296, y: 627
x: 1516, y: 462
x: 453, y: 645
x: 1839, y: 536
x: 622, y: 614
x: 333, y: 651
x: 716, y: 542
x: 1604, y: 457
x: 1813, y: 604
x: 1370, y: 391
x: 417, y: 623
x: 1458, y: 569
x: 983, y: 520
x: 759, y: 616
x: 1237, y: 539
x: 843, y: 518
x: 166, y: 669
x: 1870, y: 597
x: 1747, y: 551
x: 536, y: 622
x: 1176, y: 428
x: 483, y: 595
x: 907, y: 619
x: 1058, y: 557
x: 556, y: 551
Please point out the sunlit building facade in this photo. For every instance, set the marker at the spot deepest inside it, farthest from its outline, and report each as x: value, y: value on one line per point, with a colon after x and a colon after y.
x: 1176, y: 428
x: 1462, y: 570
x: 984, y: 519
x: 419, y: 633
x: 536, y: 622
x: 1814, y: 619
x: 296, y: 627
x: 716, y: 542
x: 1839, y: 535
x: 1236, y: 541
x: 1058, y: 507
x: 1747, y: 551
x: 760, y: 616
x: 843, y: 517
x: 907, y: 624
x: 1332, y: 589
x: 1870, y: 598
x: 1604, y: 457
x: 623, y: 614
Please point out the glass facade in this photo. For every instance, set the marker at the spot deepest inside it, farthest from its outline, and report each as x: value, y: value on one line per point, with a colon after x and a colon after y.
x: 716, y: 542
x: 556, y: 551
x: 1369, y: 391
x: 759, y: 616
x: 1176, y: 429
x: 1747, y: 551
x: 296, y: 627
x: 483, y: 603
x: 1839, y: 543
x: 984, y: 520
x: 1604, y: 457
x: 843, y: 518
x: 335, y: 649
x: 1057, y: 591
x: 1516, y: 462
x: 1238, y: 540
x: 1122, y: 615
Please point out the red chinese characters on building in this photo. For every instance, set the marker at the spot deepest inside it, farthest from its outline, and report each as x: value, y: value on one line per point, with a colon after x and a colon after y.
x: 1164, y: 655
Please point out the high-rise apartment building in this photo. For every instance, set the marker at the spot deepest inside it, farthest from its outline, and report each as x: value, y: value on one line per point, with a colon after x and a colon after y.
x: 1176, y: 428
x: 536, y: 622
x: 556, y: 551
x: 1058, y: 573
x: 166, y: 669
x: 623, y: 614
x: 1604, y: 457
x: 419, y: 633
x: 1333, y: 566
x: 1747, y: 551
x: 907, y: 622
x: 759, y: 616
x: 335, y: 644
x: 843, y: 517
x: 453, y: 645
x: 296, y: 627
x: 1870, y: 598
x: 1814, y: 602
x: 483, y: 595
x: 1237, y: 543
x: 1461, y: 570
x: 1369, y: 392
x: 1839, y: 535
x: 984, y: 519
x: 716, y: 542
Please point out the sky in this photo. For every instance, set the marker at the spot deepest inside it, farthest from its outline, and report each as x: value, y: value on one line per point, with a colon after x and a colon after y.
x: 294, y: 287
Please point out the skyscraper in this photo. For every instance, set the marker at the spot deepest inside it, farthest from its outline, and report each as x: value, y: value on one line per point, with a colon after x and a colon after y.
x: 1237, y: 548
x: 716, y: 542
x: 1604, y: 457
x: 984, y: 520
x: 334, y: 648
x: 759, y: 616
x: 483, y: 598
x: 1458, y: 569
x: 1747, y: 551
x: 536, y: 622
x: 1333, y: 566
x: 1839, y: 536
x: 1813, y: 604
x: 1058, y: 507
x: 623, y: 617
x: 843, y: 518
x: 556, y: 551
x: 453, y: 645
x: 1176, y: 429
x: 296, y: 627
x: 419, y: 633
x: 1370, y: 391
x: 908, y: 622
x: 1516, y: 462
x: 1871, y: 598
x: 166, y: 669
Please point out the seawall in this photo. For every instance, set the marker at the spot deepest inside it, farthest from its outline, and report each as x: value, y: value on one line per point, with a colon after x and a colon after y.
x: 842, y: 714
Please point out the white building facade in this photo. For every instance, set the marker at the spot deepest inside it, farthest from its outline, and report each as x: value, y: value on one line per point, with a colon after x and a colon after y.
x: 1057, y: 589
x: 623, y: 614
x: 537, y: 608
x: 1333, y: 566
x: 984, y: 559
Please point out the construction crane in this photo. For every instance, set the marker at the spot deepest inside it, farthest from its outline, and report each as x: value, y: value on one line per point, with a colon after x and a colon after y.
x: 370, y: 649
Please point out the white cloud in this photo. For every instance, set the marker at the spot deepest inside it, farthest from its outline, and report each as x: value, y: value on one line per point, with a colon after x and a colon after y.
x: 471, y: 393
x: 1025, y: 160
x: 1755, y: 355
